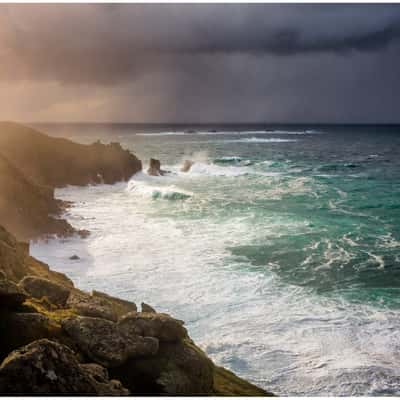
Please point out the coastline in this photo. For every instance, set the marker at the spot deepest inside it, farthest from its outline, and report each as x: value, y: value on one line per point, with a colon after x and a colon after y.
x: 169, y: 363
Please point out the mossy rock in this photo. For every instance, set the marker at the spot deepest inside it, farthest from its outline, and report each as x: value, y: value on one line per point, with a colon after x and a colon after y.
x: 226, y: 383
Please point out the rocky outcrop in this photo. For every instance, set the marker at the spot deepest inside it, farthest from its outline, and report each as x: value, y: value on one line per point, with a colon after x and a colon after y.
x: 99, y: 305
x: 147, y: 309
x: 40, y: 287
x: 155, y: 168
x: 103, y: 341
x: 46, y: 367
x: 58, y: 162
x: 33, y: 164
x: 28, y: 209
x: 10, y: 294
x: 161, y: 326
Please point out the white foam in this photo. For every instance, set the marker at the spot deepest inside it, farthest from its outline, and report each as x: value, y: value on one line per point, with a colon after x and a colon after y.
x: 162, y: 134
x: 259, y: 140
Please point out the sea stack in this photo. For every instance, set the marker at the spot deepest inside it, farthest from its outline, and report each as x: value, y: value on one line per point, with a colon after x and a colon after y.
x: 155, y: 168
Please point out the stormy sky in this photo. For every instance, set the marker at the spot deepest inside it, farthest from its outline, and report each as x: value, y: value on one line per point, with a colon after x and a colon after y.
x: 288, y: 63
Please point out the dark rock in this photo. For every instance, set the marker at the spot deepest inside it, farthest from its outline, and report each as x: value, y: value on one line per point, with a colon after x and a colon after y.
x: 187, y: 164
x: 155, y: 168
x: 104, y: 386
x: 19, y: 329
x: 10, y: 294
x: 45, y: 367
x: 161, y: 326
x: 74, y: 257
x: 104, y: 343
x: 148, y: 309
x: 40, y: 287
x: 179, y: 368
x: 2, y: 275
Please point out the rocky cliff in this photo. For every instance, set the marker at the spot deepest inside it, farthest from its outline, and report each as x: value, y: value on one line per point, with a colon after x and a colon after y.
x: 33, y: 164
x: 57, y: 339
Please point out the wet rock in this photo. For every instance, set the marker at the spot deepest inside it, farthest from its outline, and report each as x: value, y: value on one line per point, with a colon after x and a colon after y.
x: 10, y: 294
x: 187, y: 164
x: 74, y: 257
x: 46, y: 367
x: 179, y: 368
x: 41, y: 287
x: 104, y: 343
x: 155, y: 168
x: 148, y: 309
x: 161, y: 326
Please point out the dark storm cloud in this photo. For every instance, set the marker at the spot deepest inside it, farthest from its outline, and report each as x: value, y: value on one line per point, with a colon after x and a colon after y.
x: 204, y: 61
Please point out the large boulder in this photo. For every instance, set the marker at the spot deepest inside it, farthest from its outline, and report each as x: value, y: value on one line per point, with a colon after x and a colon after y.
x: 10, y: 294
x: 104, y: 343
x: 99, y: 305
x: 162, y: 326
x: 88, y: 306
x: 179, y: 368
x: 120, y: 306
x: 40, y: 287
x: 45, y: 367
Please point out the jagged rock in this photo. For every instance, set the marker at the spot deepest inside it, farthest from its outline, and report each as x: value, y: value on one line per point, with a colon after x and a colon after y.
x: 74, y: 257
x: 178, y: 368
x: 155, y: 168
x: 103, y: 342
x: 10, y: 294
x: 40, y: 287
x: 187, y: 164
x: 148, y: 309
x: 90, y: 306
x: 161, y: 326
x: 104, y: 386
x: 46, y: 367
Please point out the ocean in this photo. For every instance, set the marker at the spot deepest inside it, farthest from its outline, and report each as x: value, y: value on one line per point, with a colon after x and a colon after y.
x: 280, y: 248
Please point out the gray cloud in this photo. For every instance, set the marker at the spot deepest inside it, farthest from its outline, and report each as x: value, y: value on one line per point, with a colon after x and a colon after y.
x: 217, y: 62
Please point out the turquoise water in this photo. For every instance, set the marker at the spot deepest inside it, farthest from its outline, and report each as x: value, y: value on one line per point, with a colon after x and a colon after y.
x: 280, y: 248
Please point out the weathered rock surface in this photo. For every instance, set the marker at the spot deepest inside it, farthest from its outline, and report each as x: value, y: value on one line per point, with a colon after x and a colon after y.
x: 148, y: 309
x: 104, y: 343
x: 10, y: 294
x: 57, y: 162
x: 162, y: 326
x: 40, y: 287
x: 45, y: 367
x: 32, y: 164
x: 120, y: 306
x: 99, y: 305
x: 187, y: 164
x: 178, y: 368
